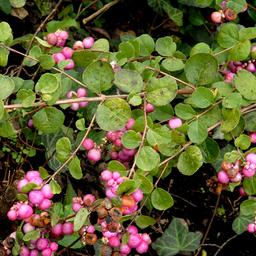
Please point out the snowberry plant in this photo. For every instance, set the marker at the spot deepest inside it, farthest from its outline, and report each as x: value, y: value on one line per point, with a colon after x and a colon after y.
x: 109, y: 126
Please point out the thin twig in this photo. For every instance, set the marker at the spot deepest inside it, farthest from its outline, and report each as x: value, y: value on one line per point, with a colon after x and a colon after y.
x: 224, y: 244
x: 80, y: 10
x: 102, y: 10
x: 225, y: 50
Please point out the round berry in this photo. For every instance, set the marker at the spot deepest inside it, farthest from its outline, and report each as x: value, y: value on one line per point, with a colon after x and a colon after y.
x: 42, y: 243
x: 47, y: 252
x: 251, y: 157
x: 51, y: 39
x: 94, y: 155
x: 223, y: 177
x: 28, y: 227
x: 142, y: 247
x: 81, y: 92
x: 114, y: 241
x: 45, y: 204
x: 251, y: 228
x: 70, y: 65
x: 90, y: 229
x: 21, y: 184
x: 34, y: 253
x: 132, y: 230
x: 89, y: 199
x: 125, y: 249
x: 30, y: 123
x: 137, y: 195
x: 47, y: 191
x: 88, y: 42
x: 130, y: 123
x: 35, y: 197
x: 248, y: 172
x: 76, y: 207
x: 67, y: 52
x: 63, y: 34
x: 216, y: 17
x: 75, y: 106
x: 175, y: 122
x: 149, y: 108
x: 88, y: 144
x: 106, y: 175
x: 134, y: 240
x: 24, y: 251
x: 25, y: 211
x: 78, y: 45
x: 68, y: 228
x: 31, y: 175
x: 58, y: 57
x: 54, y: 246
x: 12, y: 215
x: 57, y: 229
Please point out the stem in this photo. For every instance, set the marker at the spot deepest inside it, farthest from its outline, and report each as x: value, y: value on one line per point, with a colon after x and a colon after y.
x: 225, y: 50
x: 80, y: 10
x: 224, y: 244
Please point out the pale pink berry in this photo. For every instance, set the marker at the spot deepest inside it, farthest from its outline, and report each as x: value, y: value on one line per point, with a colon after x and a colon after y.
x: 114, y: 241
x: 94, y: 155
x: 57, y: 229
x: 67, y: 52
x: 68, y: 228
x: 34, y: 253
x: 45, y: 204
x: 118, y: 143
x: 30, y: 123
x: 88, y: 42
x: 24, y: 251
x: 89, y: 199
x: 109, y: 234
x: 37, y: 180
x: 253, y: 137
x: 237, y: 178
x: 216, y: 17
x: 116, y: 175
x: 251, y: 228
x: 149, y: 108
x: 70, y: 94
x: 223, y: 177
x: 42, y: 243
x: 35, y: 197
x: 28, y: 227
x: 112, y: 136
x: 51, y: 39
x: 75, y: 106
x: 30, y: 175
x: 248, y: 172
x: 22, y: 183
x: 88, y: 144
x: 76, y: 207
x: 114, y: 155
x: 47, y: 252
x: 90, y: 229
x: 229, y: 77
x: 25, y: 211
x: 58, y: 57
x: 47, y: 191
x: 251, y: 67
x: 78, y: 45
x: 83, y: 104
x: 120, y: 180
x: 12, y: 215
x: 137, y: 195
x: 63, y: 34
x: 132, y: 230
x: 130, y: 123
x: 125, y: 249
x: 106, y: 175
x: 81, y: 92
x: 251, y: 157
x: 175, y: 122
x: 146, y: 238
x: 134, y: 240
x: 60, y: 42
x: 142, y: 247
x: 242, y: 191
x: 110, y: 194
x: 70, y: 65
x: 54, y: 246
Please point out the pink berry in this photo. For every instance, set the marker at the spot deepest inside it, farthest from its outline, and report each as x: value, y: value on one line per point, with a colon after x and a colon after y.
x: 70, y: 94
x: 216, y: 17
x: 76, y: 207
x: 28, y: 227
x: 30, y: 175
x: 120, y: 180
x: 90, y: 229
x: 251, y: 67
x: 42, y: 243
x: 251, y: 228
x: 146, y: 238
x: 175, y: 122
x: 109, y: 234
x: 58, y: 57
x: 116, y: 175
x: 132, y: 230
x: 88, y: 144
x: 34, y: 253
x: 106, y: 175
x: 78, y: 45
x: 47, y: 252
x: 110, y: 194
x: 114, y: 155
x: 45, y: 204
x: 51, y: 39
x: 24, y: 251
x: 142, y: 247
x: 21, y: 184
x: 36, y: 197
x: 114, y: 241
x: 88, y: 42
x: 81, y: 92
x: 253, y: 137
x: 47, y: 192
x: 70, y: 65
x: 112, y: 136
x: 75, y: 106
x: 125, y: 249
x: 63, y: 34
x: 149, y: 108
x: 242, y: 191
x: 89, y: 199
x: 30, y: 123
x: 223, y: 177
x: 134, y: 240
x: 248, y: 172
x: 60, y: 42
x: 12, y: 215
x: 237, y: 178
x: 68, y: 228
x: 229, y: 77
x: 83, y: 104
x: 94, y: 155
x: 25, y: 211
x: 118, y: 143
x: 37, y: 180
x: 130, y: 124
x: 251, y: 157
x: 54, y: 246
x: 57, y: 229
x: 67, y: 52
x: 137, y: 195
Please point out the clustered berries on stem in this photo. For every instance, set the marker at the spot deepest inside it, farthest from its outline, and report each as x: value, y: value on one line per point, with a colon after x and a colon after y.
x: 80, y: 93
x: 93, y: 152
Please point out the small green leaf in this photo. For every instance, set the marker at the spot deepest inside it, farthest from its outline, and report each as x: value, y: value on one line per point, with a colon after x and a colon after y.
x: 161, y: 199
x: 75, y: 168
x: 247, y: 33
x: 27, y: 188
x: 131, y: 139
x: 248, y: 207
x: 197, y: 132
x: 117, y: 166
x: 55, y: 187
x: 27, y: 97
x: 127, y: 187
x: 210, y: 150
x: 71, y: 241
x: 7, y: 87
x: 165, y: 46
x: 200, y: 48
x: 233, y: 100
x: 101, y: 44
x: 228, y: 35
x: 46, y: 61
x: 249, y: 185
x: 6, y: 31
x: 147, y: 44
x: 32, y: 235
x: 231, y: 119
x: 1, y: 109
x: 144, y: 221
x: 47, y: 83
x: 202, y: 97
x: 63, y: 149
x: 241, y: 223
x: 145, y: 184
x: 172, y: 64
x: 243, y: 142
x: 184, y: 111
x: 81, y: 218
x: 241, y: 51
x: 4, y: 54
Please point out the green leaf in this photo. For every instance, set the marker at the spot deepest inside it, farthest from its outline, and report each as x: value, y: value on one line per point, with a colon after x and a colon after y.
x: 201, y: 69
x: 6, y: 31
x: 174, y: 14
x: 231, y: 119
x: 113, y: 114
x: 184, y: 111
x: 237, y: 5
x: 75, y: 168
x: 7, y: 87
x: 64, y: 24
x: 243, y: 142
x: 27, y: 188
x: 46, y: 61
x: 101, y: 44
x: 81, y: 218
x: 172, y: 64
x: 128, y: 81
x: 250, y: 122
x: 5, y: 6
x: 55, y: 187
x: 135, y: 100
x: 177, y: 238
x: 241, y: 51
x: 63, y: 149
x: 27, y: 97
x: 190, y: 160
x: 48, y: 120
x: 196, y: 3
x: 147, y: 44
x: 4, y: 54
x: 17, y: 3
x: 162, y: 113
x: 7, y: 129
x: 159, y: 136
x: 233, y: 100
x: 200, y: 48
x: 245, y: 83
x: 147, y: 159
x: 165, y: 46
x: 117, y: 166
x: 127, y: 187
x: 145, y: 184
x: 160, y: 91
x: 161, y: 199
x: 56, y: 213
x: 32, y: 235
x: 131, y: 139
x: 35, y: 52
x: 249, y: 185
x: 248, y: 207
x: 210, y: 150
x: 71, y: 241
x: 202, y: 97
x: 197, y: 132
x: 1, y: 109
x: 241, y: 222
x: 228, y: 35
x: 98, y: 76
x: 84, y: 58
x: 247, y: 34
x: 144, y: 221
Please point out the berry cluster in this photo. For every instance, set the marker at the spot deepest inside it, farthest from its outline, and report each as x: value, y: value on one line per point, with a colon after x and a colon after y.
x: 81, y: 92
x: 57, y: 38
x: 78, y: 202
x: 93, y: 152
